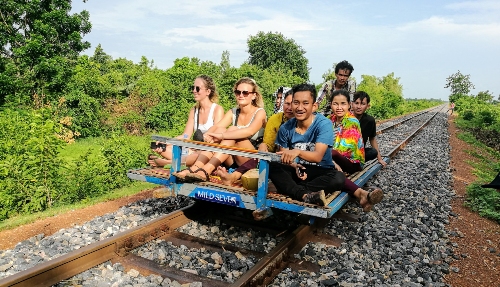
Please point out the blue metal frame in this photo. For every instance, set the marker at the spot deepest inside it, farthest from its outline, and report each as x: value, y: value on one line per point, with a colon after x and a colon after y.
x: 260, y: 202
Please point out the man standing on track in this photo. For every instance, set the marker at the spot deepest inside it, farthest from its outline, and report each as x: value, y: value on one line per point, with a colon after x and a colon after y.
x: 361, y: 102
x: 343, y: 71
x: 452, y: 107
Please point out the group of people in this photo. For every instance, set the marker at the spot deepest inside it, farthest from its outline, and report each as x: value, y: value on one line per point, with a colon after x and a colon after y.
x: 317, y: 149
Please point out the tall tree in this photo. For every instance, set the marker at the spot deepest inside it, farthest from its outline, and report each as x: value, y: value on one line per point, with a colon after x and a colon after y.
x: 39, y: 44
x: 273, y: 49
x: 460, y: 86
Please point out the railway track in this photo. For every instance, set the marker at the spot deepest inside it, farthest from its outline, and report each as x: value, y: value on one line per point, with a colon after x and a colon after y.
x: 119, y: 248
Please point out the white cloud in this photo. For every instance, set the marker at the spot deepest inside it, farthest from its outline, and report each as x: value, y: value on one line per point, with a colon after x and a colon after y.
x: 228, y: 36
x: 445, y: 26
x: 475, y: 6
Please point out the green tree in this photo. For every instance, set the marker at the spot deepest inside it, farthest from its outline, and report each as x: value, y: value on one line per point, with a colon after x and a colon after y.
x: 40, y: 42
x: 459, y: 85
x: 225, y: 64
x: 270, y: 49
x: 485, y: 96
x: 386, y: 95
x: 330, y: 74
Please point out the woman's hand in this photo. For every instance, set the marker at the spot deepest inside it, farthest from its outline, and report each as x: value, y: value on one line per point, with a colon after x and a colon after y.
x: 263, y: 147
x: 208, y: 138
x: 337, y: 167
x: 218, y: 137
x: 158, y: 149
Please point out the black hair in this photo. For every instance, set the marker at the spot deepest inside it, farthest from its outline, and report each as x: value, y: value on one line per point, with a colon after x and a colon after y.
x: 344, y: 65
x: 361, y: 95
x: 343, y: 93
x: 305, y: 88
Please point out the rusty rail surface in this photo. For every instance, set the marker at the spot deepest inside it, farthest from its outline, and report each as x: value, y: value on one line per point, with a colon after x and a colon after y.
x: 70, y: 264
x: 116, y: 249
x: 382, y: 130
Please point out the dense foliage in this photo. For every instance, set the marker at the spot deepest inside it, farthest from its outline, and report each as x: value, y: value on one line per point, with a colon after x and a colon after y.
x: 274, y: 50
x: 40, y: 42
x: 460, y: 85
x: 478, y: 113
x: 479, y: 118
x: 386, y: 97
x: 34, y: 177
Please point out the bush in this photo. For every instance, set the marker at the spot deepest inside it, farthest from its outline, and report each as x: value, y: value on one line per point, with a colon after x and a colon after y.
x: 486, y: 201
x: 29, y: 148
x: 33, y: 176
x: 99, y: 172
x: 87, y: 114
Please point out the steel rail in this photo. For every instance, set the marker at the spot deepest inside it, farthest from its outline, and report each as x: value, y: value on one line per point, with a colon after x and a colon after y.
x: 75, y: 262
x: 400, y: 146
x: 382, y: 130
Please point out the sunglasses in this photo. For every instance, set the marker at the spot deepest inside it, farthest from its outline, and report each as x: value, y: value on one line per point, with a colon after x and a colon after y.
x: 244, y: 93
x: 197, y: 88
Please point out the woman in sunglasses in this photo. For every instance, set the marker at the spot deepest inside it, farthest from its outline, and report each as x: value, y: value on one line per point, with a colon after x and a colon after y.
x: 246, y: 124
x: 205, y: 113
x: 281, y: 115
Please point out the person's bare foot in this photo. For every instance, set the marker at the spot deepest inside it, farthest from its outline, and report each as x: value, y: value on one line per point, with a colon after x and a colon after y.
x: 226, y: 177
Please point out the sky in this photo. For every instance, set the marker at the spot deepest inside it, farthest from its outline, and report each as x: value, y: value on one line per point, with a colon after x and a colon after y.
x: 422, y: 42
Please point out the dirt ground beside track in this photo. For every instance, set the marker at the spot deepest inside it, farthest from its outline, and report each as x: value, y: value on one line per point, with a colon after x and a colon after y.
x: 478, y: 239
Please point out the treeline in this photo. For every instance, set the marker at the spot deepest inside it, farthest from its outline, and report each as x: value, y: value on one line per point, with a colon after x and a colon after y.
x: 105, y: 95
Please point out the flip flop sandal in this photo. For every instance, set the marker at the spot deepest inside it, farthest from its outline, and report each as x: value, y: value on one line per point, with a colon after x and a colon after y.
x: 194, y: 177
x: 182, y: 178
x: 375, y: 195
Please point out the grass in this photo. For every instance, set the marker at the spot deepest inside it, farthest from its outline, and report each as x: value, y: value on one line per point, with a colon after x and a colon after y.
x: 19, y: 220
x: 485, y: 201
x: 71, y: 153
x: 79, y: 148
